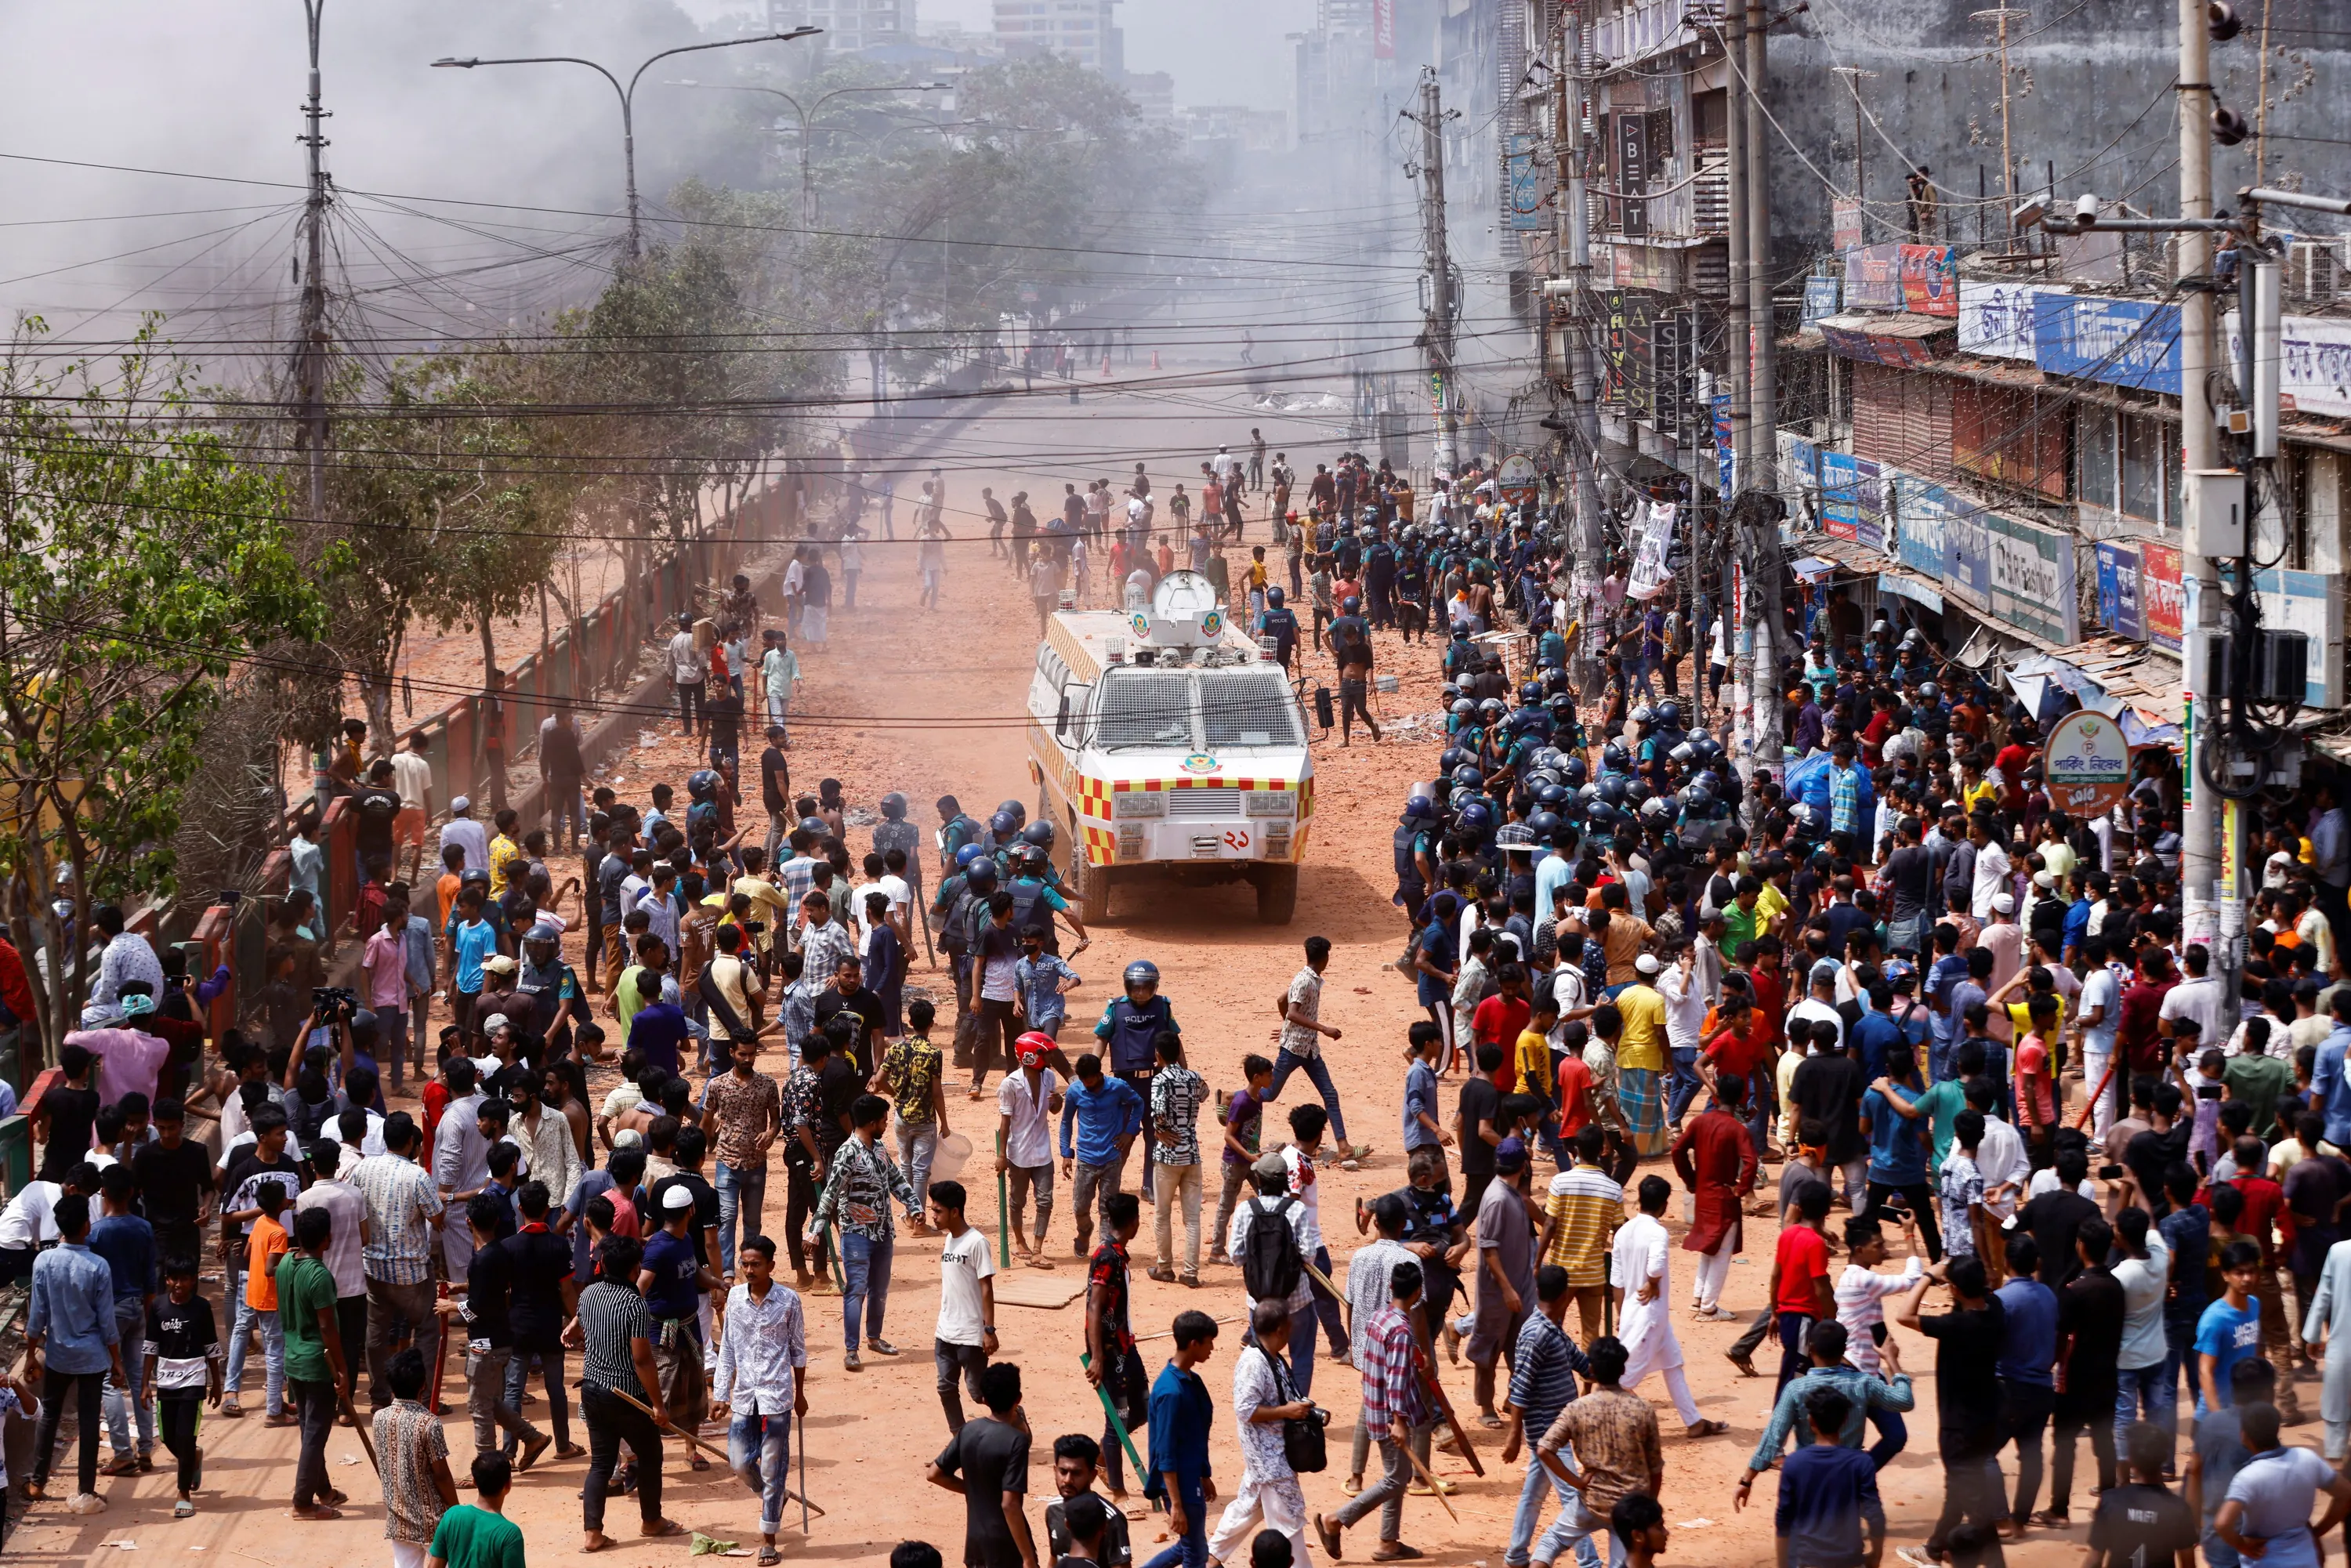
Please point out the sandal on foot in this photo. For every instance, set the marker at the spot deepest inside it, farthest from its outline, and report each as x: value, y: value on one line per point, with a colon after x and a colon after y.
x: 183, y: 1509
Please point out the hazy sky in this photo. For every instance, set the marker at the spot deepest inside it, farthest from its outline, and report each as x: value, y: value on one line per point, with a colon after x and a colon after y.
x: 213, y: 89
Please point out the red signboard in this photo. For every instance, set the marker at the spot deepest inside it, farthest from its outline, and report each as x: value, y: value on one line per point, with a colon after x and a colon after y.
x: 1931, y: 279
x: 2164, y: 600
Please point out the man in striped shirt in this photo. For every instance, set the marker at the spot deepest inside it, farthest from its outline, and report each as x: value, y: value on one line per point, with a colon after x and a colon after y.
x: 615, y: 1330
x: 1370, y: 1286
x: 1395, y: 1408
x: 1580, y: 1220
x: 1542, y: 1382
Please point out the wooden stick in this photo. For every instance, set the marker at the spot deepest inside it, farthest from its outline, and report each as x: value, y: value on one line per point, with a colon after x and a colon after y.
x: 1434, y: 1485
x: 693, y: 1441
x: 1445, y: 1407
x: 1164, y: 1333
x: 1085, y: 1359
x: 1320, y: 1278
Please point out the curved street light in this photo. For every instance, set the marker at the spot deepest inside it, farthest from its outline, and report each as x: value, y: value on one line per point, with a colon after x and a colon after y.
x: 627, y: 96
x: 808, y: 191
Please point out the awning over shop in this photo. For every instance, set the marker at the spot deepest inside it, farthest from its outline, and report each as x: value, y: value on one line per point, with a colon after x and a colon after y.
x: 1902, y: 340
x: 1812, y: 568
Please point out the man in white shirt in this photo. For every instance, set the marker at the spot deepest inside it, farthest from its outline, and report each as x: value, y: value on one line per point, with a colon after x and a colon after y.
x: 468, y: 835
x: 1820, y: 1006
x: 2198, y: 997
x: 1685, y: 1018
x: 965, y: 1335
x: 1025, y: 1103
x: 2100, y: 1013
x: 688, y: 669
x: 762, y: 1368
x: 1992, y: 869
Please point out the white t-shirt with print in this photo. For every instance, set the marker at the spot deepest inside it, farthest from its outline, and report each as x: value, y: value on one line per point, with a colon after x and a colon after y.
x: 964, y: 1263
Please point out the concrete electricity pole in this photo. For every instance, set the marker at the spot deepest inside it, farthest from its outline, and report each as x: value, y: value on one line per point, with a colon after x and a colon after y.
x: 2200, y: 823
x: 310, y: 350
x: 1734, y: 146
x: 1437, y: 331
x: 1583, y: 382
x: 1763, y: 424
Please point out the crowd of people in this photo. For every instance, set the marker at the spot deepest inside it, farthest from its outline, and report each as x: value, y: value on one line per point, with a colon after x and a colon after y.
x: 1878, y: 960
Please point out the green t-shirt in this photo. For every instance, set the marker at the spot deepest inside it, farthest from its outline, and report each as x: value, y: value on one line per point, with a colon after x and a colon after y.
x: 470, y: 1537
x: 1941, y: 1106
x: 304, y: 1288
x: 2260, y: 1082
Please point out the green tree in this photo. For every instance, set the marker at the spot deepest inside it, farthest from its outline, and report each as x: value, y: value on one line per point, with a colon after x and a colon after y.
x: 138, y: 564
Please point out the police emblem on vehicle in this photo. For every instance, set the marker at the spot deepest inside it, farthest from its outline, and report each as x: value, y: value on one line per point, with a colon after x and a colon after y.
x: 1200, y: 762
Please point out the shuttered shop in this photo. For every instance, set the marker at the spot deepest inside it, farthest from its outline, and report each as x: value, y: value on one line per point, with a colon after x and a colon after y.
x: 1901, y: 417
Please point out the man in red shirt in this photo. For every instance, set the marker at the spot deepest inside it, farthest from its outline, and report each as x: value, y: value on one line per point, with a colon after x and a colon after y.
x: 1500, y: 1018
x: 2012, y: 760
x: 2138, y: 1030
x: 1801, y: 1292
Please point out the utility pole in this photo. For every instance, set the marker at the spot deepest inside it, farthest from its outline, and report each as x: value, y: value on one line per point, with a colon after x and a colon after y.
x: 1734, y: 145
x: 1575, y: 264
x: 1763, y: 421
x: 2202, y: 816
x: 311, y: 351
x: 1999, y: 16
x: 1436, y: 331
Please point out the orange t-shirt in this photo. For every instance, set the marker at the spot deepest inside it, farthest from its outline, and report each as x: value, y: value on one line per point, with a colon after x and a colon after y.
x: 262, y: 1250
x: 447, y: 889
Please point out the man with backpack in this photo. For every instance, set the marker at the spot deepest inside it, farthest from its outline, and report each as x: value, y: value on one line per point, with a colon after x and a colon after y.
x: 1268, y: 1242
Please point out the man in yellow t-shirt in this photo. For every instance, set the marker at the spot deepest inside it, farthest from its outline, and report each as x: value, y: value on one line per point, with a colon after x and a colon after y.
x: 1641, y: 1056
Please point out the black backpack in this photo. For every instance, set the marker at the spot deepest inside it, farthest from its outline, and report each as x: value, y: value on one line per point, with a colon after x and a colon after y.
x: 1270, y: 1264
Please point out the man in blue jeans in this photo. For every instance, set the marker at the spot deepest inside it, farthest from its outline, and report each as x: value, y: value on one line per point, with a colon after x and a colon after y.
x: 857, y: 1193
x: 743, y: 1111
x: 1302, y: 1034
x: 1181, y: 1412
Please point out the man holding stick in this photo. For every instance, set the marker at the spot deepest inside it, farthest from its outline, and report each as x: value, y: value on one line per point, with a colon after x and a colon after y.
x: 1395, y: 1408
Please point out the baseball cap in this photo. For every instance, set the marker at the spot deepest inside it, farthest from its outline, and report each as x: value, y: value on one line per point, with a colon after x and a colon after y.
x: 1826, y: 969
x: 1273, y: 1165
x: 1510, y: 1154
x: 498, y: 964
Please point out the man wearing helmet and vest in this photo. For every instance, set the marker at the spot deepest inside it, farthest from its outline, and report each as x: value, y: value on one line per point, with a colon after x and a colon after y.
x: 895, y: 832
x: 1415, y: 855
x: 1035, y: 902
x: 957, y: 829
x: 1278, y: 622
x: 1129, y: 1029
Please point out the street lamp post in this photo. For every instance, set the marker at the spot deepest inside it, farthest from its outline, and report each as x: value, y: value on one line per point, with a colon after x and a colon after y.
x: 808, y: 190
x: 627, y: 96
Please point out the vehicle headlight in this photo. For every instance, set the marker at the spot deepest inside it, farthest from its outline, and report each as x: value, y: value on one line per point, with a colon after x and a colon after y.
x: 1137, y: 803
x: 1272, y: 803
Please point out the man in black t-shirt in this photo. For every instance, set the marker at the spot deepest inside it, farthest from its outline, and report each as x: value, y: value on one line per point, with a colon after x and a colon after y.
x: 2144, y: 1524
x: 1478, y: 1128
x: 776, y: 790
x: 174, y: 1177
x: 848, y: 995
x: 67, y: 1115
x: 990, y: 1457
x: 1967, y: 1341
x: 542, y: 1295
x: 376, y: 805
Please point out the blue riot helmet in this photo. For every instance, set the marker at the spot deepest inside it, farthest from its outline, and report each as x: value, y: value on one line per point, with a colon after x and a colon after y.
x: 1463, y: 708
x: 1142, y: 972
x: 1468, y: 778
x: 966, y: 855
x: 1574, y: 772
x: 1019, y: 812
x: 980, y: 875
x: 1475, y: 818
x: 1454, y: 756
x: 1545, y: 826
x: 1350, y: 605
x: 1004, y: 824
x: 702, y: 784
x: 1656, y: 811
x: 1685, y: 754
x: 1420, y: 809
x: 1550, y: 798
x: 1669, y: 716
x: 1459, y: 799
x: 1696, y: 798
x: 1614, y: 757
x: 1531, y: 693
x: 1612, y: 789
x: 1491, y: 709
x: 1645, y: 718
x: 1040, y: 833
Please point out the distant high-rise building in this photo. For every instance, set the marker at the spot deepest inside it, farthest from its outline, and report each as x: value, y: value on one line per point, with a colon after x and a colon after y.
x: 1078, y: 30
x: 1154, y: 96
x: 849, y: 27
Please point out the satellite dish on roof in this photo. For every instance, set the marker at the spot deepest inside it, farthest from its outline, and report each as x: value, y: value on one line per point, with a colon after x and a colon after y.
x: 1184, y: 612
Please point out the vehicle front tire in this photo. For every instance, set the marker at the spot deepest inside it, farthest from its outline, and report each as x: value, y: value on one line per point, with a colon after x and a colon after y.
x: 1089, y: 889
x: 1277, y: 894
